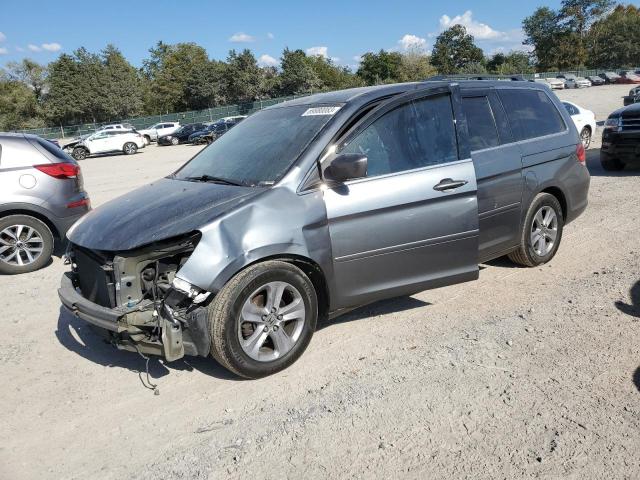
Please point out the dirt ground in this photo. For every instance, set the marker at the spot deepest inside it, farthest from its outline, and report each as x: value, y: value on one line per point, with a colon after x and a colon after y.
x: 524, y: 373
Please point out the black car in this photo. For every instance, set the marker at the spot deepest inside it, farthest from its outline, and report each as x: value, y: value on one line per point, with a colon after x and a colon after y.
x: 181, y: 135
x: 633, y: 97
x: 621, y: 138
x: 215, y: 130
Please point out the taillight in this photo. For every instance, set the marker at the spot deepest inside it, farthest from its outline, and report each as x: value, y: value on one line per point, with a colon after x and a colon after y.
x: 59, y: 170
x: 581, y: 153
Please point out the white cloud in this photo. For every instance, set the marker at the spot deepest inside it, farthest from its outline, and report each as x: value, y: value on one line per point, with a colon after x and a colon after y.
x: 318, y: 51
x: 3, y: 51
x: 481, y: 31
x: 270, y: 36
x: 51, y: 47
x: 3, y: 37
x: 241, y: 37
x: 19, y: 49
x: 267, y: 61
x: 34, y: 48
x: 412, y: 42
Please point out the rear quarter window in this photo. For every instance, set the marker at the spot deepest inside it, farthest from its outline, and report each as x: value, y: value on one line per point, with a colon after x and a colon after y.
x: 531, y: 113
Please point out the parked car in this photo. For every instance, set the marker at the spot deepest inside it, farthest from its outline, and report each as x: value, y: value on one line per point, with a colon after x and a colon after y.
x: 181, y: 135
x: 116, y: 126
x: 214, y: 130
x: 568, y: 79
x: 633, y: 97
x: 610, y: 77
x: 621, y: 138
x: 629, y: 77
x: 595, y: 80
x: 106, y: 141
x: 42, y: 196
x: 556, y: 83
x: 159, y: 130
x: 584, y: 120
x: 219, y: 130
x: 324, y: 203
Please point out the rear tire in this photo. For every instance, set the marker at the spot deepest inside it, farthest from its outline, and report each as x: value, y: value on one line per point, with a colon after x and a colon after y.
x: 585, y: 137
x: 541, y: 232
x: 129, y: 148
x: 610, y: 164
x: 26, y: 244
x: 80, y: 153
x: 174, y: 141
x: 240, y: 312
x: 147, y: 139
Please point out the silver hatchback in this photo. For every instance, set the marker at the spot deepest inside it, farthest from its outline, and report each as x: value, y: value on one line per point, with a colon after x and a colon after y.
x: 41, y: 196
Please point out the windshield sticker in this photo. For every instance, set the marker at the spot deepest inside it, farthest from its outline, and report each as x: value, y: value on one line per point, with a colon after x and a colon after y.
x: 320, y: 111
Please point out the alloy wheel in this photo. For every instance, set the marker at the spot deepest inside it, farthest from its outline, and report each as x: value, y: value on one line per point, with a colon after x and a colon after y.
x: 544, y: 231
x: 585, y: 137
x: 271, y: 321
x: 20, y: 245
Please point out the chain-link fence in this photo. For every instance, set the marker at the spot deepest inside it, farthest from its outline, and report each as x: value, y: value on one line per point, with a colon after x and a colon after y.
x: 213, y: 114
x: 194, y: 116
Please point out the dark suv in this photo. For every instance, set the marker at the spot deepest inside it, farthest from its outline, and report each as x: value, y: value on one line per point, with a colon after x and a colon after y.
x: 621, y: 138
x: 324, y: 203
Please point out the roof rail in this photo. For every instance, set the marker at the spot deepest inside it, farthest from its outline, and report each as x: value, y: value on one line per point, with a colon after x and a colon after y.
x: 513, y: 78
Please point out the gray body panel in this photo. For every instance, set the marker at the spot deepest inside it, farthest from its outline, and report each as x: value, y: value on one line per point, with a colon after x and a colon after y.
x: 371, y: 238
x: 24, y: 189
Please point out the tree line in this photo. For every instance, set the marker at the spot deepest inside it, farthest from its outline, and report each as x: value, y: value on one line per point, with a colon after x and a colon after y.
x: 84, y: 86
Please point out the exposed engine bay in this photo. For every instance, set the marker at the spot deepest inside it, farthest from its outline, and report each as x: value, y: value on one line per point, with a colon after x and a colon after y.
x: 158, y: 313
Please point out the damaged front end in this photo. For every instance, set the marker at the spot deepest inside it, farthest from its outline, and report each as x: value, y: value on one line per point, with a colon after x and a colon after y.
x: 135, y: 298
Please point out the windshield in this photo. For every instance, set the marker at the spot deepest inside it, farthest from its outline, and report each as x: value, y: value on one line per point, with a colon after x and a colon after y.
x: 258, y: 151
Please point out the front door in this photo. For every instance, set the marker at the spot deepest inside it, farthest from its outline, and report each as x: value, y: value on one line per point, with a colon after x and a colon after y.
x: 99, y: 142
x: 412, y: 222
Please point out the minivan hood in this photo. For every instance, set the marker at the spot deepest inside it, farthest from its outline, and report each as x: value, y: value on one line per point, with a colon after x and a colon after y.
x: 160, y: 210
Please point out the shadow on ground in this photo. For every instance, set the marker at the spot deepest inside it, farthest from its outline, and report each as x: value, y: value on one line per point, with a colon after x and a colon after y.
x: 596, y: 170
x: 636, y: 378
x: 383, y: 307
x: 632, y: 309
x: 79, y: 337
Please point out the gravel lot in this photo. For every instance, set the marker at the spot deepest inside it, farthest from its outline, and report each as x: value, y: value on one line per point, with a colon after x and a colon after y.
x: 524, y: 373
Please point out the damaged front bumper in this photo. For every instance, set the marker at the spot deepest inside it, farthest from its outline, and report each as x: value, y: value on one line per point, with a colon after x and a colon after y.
x: 170, y: 321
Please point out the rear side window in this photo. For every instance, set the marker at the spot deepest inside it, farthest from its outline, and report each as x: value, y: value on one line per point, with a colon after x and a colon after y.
x: 480, y: 122
x: 570, y: 108
x: 531, y: 113
x: 57, y: 152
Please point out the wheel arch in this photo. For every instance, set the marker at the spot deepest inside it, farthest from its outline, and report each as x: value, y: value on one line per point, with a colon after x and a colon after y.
x: 310, y: 268
x: 35, y: 214
x: 562, y: 199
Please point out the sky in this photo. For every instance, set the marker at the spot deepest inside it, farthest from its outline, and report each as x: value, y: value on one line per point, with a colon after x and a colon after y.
x: 341, y: 30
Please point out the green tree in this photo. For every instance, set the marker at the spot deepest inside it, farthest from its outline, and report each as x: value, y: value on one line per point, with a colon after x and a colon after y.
x: 510, y: 63
x: 242, y: 77
x: 31, y: 74
x: 298, y: 75
x: 579, y: 15
x: 454, y: 50
x: 18, y: 105
x: 612, y: 41
x: 332, y: 76
x: 381, y: 67
x: 416, y: 66
x: 122, y: 88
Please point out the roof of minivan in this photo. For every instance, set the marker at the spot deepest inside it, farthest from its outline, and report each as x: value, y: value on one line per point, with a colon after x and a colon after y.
x: 365, y: 94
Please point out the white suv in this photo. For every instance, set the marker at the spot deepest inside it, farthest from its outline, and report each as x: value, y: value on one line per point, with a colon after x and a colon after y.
x: 106, y: 141
x: 159, y: 130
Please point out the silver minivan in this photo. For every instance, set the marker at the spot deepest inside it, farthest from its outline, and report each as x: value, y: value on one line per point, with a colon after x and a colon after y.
x: 41, y: 196
x: 318, y: 205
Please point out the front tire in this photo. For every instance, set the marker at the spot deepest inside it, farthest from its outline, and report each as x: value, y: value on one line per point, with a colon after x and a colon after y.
x: 80, y: 153
x: 263, y: 319
x: 541, y: 232
x: 129, y: 148
x: 174, y: 141
x: 26, y: 244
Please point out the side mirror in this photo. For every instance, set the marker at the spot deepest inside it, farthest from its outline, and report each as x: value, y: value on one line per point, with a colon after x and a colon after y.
x: 346, y: 166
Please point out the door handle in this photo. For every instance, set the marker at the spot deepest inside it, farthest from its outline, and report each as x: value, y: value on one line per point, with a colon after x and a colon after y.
x: 449, y: 184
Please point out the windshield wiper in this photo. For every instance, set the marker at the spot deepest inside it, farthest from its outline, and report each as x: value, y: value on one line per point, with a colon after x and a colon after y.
x: 212, y: 179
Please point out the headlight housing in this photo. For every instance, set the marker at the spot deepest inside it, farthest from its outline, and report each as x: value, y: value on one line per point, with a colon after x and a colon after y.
x: 613, y: 122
